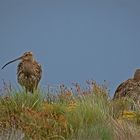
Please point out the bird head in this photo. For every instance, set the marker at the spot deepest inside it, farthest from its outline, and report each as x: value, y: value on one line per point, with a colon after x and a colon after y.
x: 27, y: 56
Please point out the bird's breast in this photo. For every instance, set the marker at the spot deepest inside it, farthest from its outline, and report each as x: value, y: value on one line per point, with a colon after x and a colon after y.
x: 28, y: 69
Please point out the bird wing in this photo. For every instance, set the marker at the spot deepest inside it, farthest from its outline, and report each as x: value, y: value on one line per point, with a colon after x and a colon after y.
x: 19, y: 68
x: 38, y: 71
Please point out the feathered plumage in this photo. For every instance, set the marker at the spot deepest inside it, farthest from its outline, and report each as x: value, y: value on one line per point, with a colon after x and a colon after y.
x: 28, y: 71
x: 130, y: 87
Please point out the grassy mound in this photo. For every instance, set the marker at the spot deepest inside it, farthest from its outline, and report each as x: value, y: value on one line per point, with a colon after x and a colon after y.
x: 70, y: 115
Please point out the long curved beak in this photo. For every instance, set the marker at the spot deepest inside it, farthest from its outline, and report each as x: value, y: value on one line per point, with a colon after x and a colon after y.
x: 11, y: 62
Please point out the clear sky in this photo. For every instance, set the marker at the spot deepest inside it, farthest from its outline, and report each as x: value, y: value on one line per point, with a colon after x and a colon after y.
x: 74, y: 40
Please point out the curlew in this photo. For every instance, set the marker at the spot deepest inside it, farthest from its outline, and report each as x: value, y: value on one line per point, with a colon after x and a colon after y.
x: 130, y: 87
x: 28, y: 71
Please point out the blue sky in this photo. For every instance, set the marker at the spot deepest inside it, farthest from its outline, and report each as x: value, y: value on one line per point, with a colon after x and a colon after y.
x: 73, y: 40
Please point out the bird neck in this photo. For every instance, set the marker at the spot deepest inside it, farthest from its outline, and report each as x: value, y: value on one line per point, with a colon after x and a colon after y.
x: 28, y: 61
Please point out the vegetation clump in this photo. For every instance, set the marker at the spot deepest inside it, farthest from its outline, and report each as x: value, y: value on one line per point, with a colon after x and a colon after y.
x: 71, y: 114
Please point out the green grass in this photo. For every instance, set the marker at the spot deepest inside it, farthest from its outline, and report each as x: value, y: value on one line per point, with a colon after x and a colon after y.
x: 85, y: 115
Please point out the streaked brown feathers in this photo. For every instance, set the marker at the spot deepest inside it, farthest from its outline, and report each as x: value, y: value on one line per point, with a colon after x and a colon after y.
x: 130, y: 87
x: 28, y: 71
